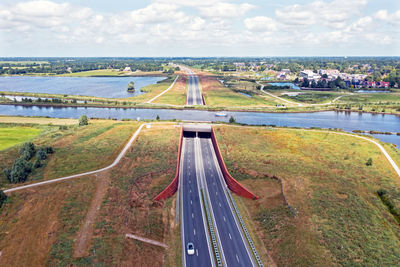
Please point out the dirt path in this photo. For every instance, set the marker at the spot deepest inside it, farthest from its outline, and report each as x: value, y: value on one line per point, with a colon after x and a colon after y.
x: 84, y: 236
x: 146, y: 240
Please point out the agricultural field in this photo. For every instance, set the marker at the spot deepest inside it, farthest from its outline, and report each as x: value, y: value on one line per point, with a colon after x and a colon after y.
x: 14, y: 135
x: 336, y: 216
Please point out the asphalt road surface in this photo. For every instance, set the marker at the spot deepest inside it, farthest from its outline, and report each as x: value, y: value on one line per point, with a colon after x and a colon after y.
x: 234, y: 245
x: 194, y: 228
x: 194, y: 96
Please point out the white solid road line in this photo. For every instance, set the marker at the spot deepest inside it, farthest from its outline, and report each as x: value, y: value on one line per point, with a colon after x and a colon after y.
x: 163, y: 92
x: 116, y: 161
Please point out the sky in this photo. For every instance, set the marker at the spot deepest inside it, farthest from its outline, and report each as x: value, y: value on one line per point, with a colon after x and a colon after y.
x: 199, y: 28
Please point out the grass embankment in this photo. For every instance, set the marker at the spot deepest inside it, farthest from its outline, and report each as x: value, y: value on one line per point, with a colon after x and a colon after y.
x: 10, y: 136
x: 217, y: 95
x: 340, y: 218
x: 77, y: 149
x: 128, y: 207
x: 177, y: 94
x: 153, y: 90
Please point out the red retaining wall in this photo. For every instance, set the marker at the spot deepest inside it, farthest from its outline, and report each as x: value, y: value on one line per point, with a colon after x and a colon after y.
x: 233, y: 185
x: 173, y: 186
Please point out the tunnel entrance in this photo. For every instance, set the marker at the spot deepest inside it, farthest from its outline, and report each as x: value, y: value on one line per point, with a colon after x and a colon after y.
x: 197, y: 130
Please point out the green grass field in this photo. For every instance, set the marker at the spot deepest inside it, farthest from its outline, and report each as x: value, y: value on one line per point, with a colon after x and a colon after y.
x: 11, y: 136
x: 152, y: 90
x: 372, y: 98
x: 312, y: 97
x: 340, y: 218
x: 217, y: 95
x: 177, y: 94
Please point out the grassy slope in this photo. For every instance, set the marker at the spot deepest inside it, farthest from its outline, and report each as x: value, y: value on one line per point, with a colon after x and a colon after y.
x: 177, y: 94
x: 340, y: 220
x: 217, y: 95
x: 77, y: 149
x: 153, y: 90
x: 128, y: 206
x: 10, y: 136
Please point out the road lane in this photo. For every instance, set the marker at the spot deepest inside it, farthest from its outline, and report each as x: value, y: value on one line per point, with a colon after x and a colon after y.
x: 193, y: 224
x: 234, y: 245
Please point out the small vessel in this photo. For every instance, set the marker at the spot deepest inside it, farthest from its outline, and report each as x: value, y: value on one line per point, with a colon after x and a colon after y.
x: 221, y: 114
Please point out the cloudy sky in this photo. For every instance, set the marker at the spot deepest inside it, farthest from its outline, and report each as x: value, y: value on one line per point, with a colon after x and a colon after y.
x: 199, y: 28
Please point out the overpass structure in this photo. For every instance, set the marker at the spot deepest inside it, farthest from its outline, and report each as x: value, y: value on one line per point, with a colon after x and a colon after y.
x: 209, y: 216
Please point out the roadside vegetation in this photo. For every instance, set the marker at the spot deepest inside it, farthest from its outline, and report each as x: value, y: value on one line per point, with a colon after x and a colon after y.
x: 177, y: 94
x: 338, y: 216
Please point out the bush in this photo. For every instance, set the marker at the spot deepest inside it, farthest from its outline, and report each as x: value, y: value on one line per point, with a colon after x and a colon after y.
x: 37, y: 163
x: 3, y: 197
x: 49, y: 150
x: 27, y: 151
x: 83, y: 120
x: 20, y: 171
x: 41, y: 154
x: 369, y: 162
x: 232, y: 120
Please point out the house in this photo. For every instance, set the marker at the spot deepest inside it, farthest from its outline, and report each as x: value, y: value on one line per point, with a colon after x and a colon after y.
x: 127, y: 69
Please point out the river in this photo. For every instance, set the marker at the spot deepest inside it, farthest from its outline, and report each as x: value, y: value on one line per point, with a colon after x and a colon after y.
x: 109, y: 87
x: 347, y: 121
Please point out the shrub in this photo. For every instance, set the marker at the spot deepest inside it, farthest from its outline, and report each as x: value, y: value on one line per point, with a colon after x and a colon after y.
x: 41, y: 154
x: 83, y: 120
x: 20, y: 171
x: 232, y: 120
x: 37, y: 163
x: 49, y: 150
x: 3, y: 197
x: 28, y: 150
x: 369, y: 162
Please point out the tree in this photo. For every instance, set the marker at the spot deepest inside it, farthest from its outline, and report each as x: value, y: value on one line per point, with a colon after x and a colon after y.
x: 158, y: 118
x: 369, y: 162
x: 131, y: 87
x: 232, y: 120
x: 83, y: 120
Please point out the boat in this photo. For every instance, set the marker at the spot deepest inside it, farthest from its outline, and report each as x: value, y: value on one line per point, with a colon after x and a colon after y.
x: 221, y: 114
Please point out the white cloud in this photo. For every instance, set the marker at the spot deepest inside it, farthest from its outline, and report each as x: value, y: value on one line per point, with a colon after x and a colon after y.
x: 260, y: 24
x: 225, y: 10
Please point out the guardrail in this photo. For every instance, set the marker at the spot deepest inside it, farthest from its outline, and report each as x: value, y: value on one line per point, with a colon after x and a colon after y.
x: 246, y: 232
x: 212, y: 231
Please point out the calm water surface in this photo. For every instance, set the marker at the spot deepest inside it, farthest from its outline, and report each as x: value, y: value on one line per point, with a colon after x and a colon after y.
x: 110, y: 87
x: 347, y: 121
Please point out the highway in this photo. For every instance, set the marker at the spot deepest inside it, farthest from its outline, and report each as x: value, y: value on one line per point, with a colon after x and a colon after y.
x: 234, y: 245
x: 194, y: 96
x: 193, y: 223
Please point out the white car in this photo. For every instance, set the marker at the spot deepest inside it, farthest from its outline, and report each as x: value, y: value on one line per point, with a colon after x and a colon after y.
x: 190, y: 249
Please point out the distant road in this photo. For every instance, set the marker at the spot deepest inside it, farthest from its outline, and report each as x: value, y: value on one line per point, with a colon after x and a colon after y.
x: 194, y: 95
